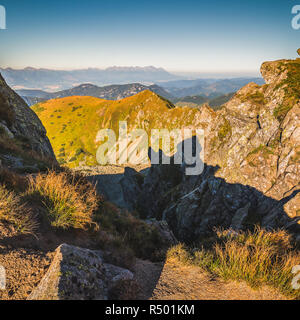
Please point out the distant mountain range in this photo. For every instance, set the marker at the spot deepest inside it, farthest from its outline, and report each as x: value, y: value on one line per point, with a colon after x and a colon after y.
x: 54, y: 80
x: 183, y: 88
x: 57, y: 80
x: 208, y: 92
x: 114, y: 92
x: 52, y: 84
x: 215, y: 101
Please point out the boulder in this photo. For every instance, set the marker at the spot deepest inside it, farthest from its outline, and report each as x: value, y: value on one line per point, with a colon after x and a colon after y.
x: 78, y: 274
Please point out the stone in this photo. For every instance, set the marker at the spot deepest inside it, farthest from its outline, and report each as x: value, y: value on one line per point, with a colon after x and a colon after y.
x: 78, y: 274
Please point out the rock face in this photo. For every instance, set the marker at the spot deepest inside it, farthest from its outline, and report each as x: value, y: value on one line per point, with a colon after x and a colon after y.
x: 252, y: 163
x: 20, y: 127
x: 78, y: 274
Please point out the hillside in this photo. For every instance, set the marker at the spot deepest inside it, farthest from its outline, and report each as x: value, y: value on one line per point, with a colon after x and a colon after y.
x: 113, y: 92
x: 73, y: 123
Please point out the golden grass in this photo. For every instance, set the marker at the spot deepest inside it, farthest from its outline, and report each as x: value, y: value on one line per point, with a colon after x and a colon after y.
x: 13, y: 211
x: 259, y: 258
x: 65, y: 200
x: 69, y: 202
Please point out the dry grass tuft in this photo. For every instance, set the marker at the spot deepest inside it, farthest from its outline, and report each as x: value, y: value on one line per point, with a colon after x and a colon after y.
x: 259, y: 258
x: 16, y: 213
x: 69, y: 202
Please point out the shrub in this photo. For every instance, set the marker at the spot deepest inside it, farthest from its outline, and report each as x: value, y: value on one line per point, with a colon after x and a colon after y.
x: 79, y: 152
x: 259, y: 257
x: 69, y: 201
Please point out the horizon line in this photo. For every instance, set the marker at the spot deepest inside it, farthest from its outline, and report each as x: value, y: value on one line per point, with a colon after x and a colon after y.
x: 178, y: 71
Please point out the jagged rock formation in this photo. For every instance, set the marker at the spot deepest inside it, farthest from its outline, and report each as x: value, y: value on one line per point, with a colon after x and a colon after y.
x: 252, y: 170
x: 78, y: 274
x: 21, y: 132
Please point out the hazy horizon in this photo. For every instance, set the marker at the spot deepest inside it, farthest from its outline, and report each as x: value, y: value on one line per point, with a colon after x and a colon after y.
x: 183, y: 74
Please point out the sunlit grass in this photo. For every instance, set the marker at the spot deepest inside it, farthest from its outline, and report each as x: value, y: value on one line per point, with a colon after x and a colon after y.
x: 259, y: 258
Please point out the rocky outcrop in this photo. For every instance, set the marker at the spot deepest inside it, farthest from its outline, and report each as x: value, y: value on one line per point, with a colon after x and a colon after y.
x: 252, y: 171
x: 20, y: 129
x: 78, y: 274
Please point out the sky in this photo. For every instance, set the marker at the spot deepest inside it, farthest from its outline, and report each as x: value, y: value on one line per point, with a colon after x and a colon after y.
x: 180, y: 36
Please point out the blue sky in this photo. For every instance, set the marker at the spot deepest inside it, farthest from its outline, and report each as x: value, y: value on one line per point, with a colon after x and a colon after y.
x: 187, y: 35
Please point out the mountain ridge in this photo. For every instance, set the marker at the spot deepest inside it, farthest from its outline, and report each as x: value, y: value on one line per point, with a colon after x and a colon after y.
x: 47, y: 79
x: 111, y: 92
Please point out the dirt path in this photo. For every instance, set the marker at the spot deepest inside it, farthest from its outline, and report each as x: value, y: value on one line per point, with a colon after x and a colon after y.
x: 174, y: 281
x: 24, y: 270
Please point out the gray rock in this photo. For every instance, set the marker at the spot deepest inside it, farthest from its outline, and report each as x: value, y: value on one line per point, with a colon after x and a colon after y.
x: 240, y: 217
x: 23, y: 121
x: 78, y: 274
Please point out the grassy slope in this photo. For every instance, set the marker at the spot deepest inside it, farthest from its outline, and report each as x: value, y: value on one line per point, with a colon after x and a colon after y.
x: 72, y: 123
